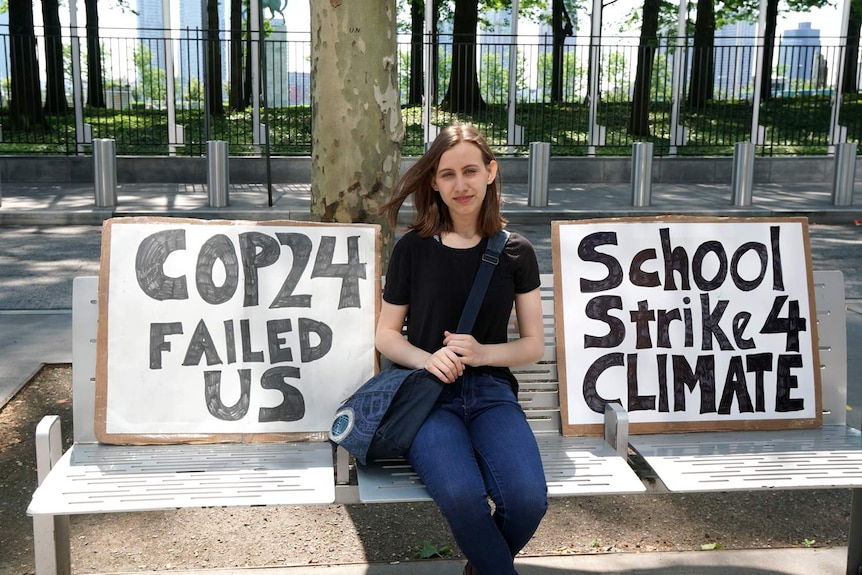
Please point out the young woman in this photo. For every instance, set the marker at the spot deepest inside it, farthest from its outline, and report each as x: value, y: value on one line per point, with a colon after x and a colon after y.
x: 476, y: 442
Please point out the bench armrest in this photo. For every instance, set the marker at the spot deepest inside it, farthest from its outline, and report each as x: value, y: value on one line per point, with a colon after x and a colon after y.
x: 49, y: 445
x: 617, y: 428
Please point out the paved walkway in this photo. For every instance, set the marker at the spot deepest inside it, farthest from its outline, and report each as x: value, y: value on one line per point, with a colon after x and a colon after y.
x: 747, y: 562
x: 52, y: 231
x: 74, y: 203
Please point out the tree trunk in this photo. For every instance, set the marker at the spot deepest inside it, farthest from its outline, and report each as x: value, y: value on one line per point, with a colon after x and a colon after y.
x: 55, y: 89
x: 434, y: 72
x: 249, y: 46
x: 356, y: 114
x: 768, y: 50
x: 703, y: 63
x: 95, y: 80
x: 415, y: 88
x: 25, y: 105
x: 561, y: 27
x: 463, y: 95
x: 236, y: 98
x: 851, y: 77
x: 639, y: 120
x: 213, y: 79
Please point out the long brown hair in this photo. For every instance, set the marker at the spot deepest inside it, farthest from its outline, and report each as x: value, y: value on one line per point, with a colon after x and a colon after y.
x: 432, y: 215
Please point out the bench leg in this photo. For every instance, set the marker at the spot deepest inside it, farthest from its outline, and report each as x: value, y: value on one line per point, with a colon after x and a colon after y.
x: 50, y: 532
x: 51, y: 545
x: 342, y: 466
x: 617, y: 428
x: 854, y: 537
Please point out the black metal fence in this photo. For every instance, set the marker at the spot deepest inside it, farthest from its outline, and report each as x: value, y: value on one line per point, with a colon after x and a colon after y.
x: 551, y: 96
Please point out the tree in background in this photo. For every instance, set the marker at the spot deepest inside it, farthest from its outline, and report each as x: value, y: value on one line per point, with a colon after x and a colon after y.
x: 562, y: 28
x: 702, y: 81
x: 463, y: 95
x: 415, y: 84
x: 854, y: 25
x: 212, y: 71
x: 356, y: 114
x: 25, y: 105
x: 95, y: 78
x: 55, y: 87
x: 639, y: 118
x: 239, y: 96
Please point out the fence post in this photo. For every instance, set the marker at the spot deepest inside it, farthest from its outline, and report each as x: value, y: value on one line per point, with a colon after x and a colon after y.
x: 742, y: 183
x: 641, y: 173
x: 540, y: 163
x: 844, y: 174
x: 217, y: 173
x: 105, y: 172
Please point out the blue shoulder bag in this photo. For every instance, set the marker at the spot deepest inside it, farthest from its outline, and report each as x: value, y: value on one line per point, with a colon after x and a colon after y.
x: 382, y: 417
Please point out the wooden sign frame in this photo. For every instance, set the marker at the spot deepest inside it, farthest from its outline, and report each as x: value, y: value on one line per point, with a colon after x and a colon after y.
x: 263, y: 343
x: 608, y: 309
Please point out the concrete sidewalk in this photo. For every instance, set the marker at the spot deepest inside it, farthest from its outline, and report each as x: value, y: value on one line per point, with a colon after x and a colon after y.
x: 827, y: 561
x: 70, y: 204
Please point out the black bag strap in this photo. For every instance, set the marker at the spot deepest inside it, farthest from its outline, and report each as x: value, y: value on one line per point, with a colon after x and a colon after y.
x: 490, y: 259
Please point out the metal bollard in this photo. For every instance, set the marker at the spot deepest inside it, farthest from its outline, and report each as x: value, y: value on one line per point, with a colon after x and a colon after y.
x: 540, y: 163
x: 844, y: 175
x: 742, y: 183
x: 641, y: 173
x: 105, y: 172
x: 217, y: 173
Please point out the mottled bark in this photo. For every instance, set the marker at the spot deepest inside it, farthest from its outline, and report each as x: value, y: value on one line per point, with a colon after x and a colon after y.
x: 356, y: 123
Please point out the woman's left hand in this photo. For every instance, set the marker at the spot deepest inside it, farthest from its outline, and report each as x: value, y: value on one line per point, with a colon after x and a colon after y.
x: 465, y: 345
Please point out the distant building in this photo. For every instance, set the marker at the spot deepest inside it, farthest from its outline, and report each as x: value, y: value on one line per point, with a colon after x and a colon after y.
x: 734, y: 60
x: 188, y: 53
x: 798, y: 56
x: 150, y: 30
x: 287, y: 81
x: 192, y: 35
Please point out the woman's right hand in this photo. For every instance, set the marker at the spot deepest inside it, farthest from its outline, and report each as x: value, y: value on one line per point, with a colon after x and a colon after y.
x: 445, y: 365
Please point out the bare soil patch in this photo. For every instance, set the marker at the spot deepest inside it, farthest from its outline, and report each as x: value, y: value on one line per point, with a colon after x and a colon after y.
x: 267, y: 536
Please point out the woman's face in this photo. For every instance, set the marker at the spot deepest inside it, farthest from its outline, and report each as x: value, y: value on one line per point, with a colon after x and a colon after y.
x: 462, y: 179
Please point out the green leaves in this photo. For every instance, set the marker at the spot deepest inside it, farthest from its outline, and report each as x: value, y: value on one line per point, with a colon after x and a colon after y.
x: 428, y: 551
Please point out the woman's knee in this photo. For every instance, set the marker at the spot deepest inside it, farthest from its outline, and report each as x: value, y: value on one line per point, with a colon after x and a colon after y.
x: 526, y: 501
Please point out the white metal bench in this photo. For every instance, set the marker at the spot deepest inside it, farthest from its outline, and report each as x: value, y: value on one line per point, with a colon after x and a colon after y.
x: 93, y: 478
x: 829, y: 457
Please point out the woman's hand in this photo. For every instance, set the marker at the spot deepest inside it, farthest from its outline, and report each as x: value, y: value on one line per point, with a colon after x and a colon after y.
x: 445, y: 365
x: 465, y: 346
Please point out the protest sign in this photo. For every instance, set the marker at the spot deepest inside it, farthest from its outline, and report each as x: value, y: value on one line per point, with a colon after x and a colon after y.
x: 688, y: 323
x: 227, y: 331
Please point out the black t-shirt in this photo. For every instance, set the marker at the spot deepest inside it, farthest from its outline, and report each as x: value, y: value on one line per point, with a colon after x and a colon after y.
x: 434, y: 280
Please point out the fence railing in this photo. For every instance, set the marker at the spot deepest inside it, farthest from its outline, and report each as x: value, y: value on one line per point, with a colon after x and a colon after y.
x: 551, y: 97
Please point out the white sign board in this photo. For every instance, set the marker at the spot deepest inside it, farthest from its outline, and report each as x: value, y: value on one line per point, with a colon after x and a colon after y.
x: 218, y: 330
x: 688, y: 323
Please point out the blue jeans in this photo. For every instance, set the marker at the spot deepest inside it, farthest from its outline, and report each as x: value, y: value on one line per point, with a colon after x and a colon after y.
x: 475, y: 444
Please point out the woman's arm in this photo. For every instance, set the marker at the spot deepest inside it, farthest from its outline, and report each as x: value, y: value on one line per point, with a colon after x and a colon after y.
x: 528, y: 348
x: 444, y: 363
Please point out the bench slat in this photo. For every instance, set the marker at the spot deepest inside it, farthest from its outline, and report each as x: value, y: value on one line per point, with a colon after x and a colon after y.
x: 93, y: 478
x: 573, y: 466
x: 723, y: 461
